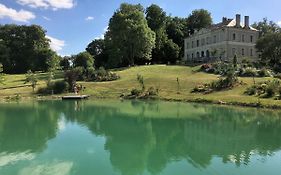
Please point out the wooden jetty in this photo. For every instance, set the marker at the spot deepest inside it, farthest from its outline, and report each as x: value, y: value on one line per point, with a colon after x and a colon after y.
x: 75, y: 97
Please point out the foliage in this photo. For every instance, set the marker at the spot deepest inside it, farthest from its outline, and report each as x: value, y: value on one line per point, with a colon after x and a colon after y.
x: 1, y: 74
x: 266, y: 27
x: 176, y: 30
x: 83, y: 59
x: 65, y: 63
x: 101, y: 75
x: 129, y: 39
x: 57, y: 87
x: 71, y: 76
x: 141, y: 81
x: 270, y: 48
x: 266, y: 89
x: 98, y: 50
x: 156, y: 17
x: 172, y: 51
x: 198, y: 19
x: 227, y: 82
x: 31, y: 78
x: 22, y: 48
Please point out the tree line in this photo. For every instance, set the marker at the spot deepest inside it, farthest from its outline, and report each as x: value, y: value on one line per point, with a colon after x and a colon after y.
x: 135, y: 35
x: 24, y: 48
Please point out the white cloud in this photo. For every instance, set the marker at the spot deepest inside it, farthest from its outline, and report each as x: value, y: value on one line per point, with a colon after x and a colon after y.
x: 21, y: 16
x: 46, y: 18
x: 279, y: 23
x: 56, y: 44
x: 53, y: 168
x: 10, y: 158
x: 53, y: 4
x: 89, y: 18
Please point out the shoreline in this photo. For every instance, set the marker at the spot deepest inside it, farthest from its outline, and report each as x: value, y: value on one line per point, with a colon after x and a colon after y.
x: 257, y: 105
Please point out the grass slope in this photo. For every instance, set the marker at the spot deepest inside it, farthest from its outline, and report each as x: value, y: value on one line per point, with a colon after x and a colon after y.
x: 159, y: 76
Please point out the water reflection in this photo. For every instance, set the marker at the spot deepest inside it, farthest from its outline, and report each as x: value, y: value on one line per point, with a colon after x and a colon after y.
x: 146, y: 136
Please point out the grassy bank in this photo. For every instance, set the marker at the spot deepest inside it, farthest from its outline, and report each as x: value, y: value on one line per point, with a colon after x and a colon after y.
x: 159, y: 76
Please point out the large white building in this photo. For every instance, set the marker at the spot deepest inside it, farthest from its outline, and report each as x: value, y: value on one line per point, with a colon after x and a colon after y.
x: 222, y: 41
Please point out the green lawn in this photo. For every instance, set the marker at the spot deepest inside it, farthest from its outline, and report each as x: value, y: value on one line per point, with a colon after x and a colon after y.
x: 160, y: 76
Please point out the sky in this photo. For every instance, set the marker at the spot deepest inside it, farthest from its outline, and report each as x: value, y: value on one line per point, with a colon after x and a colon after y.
x: 72, y: 24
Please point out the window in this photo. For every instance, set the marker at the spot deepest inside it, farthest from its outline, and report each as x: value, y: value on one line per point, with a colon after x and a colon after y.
x: 198, y: 55
x: 243, y: 38
x: 202, y: 54
x: 187, y: 45
x: 207, y: 40
x: 215, y: 39
x: 192, y: 44
x: 197, y: 43
x: 251, y: 52
x: 252, y: 38
x: 234, y: 36
x: 243, y: 52
x: 192, y: 56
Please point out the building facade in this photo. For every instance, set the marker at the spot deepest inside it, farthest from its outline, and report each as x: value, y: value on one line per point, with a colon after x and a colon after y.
x: 222, y: 41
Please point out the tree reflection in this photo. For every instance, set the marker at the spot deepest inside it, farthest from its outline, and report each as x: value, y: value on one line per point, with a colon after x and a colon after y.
x: 26, y: 127
x: 138, y: 143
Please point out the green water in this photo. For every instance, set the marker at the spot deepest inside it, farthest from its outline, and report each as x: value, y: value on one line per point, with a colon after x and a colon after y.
x: 135, y: 138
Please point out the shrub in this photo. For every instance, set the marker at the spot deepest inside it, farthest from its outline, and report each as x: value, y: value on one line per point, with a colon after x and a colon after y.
x: 266, y: 89
x: 248, y: 72
x: 251, y: 90
x: 152, y: 91
x: 264, y: 73
x: 56, y: 87
x: 136, y: 92
x: 60, y: 87
x: 102, y: 75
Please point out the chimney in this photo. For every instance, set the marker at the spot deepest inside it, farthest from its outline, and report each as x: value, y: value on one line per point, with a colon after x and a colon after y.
x: 247, y: 22
x: 224, y: 19
x: 238, y: 20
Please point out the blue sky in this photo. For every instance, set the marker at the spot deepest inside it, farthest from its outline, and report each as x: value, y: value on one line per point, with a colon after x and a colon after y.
x: 72, y: 24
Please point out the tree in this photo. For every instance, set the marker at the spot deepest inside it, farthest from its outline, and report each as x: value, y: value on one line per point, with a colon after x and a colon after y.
x: 83, y: 59
x: 98, y: 50
x: 198, y: 19
x: 129, y: 39
x: 270, y: 48
x: 31, y: 78
x: 172, y: 51
x: 22, y: 46
x: 176, y: 30
x: 156, y: 19
x: 1, y: 74
x: 48, y: 60
x: 266, y: 27
x: 65, y: 63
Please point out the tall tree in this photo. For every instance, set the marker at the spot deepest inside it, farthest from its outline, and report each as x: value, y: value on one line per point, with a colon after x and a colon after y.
x: 270, y: 48
x: 129, y: 39
x: 83, y: 59
x: 198, y: 19
x: 176, y: 30
x: 265, y: 26
x: 156, y: 19
x: 22, y: 44
x: 98, y: 50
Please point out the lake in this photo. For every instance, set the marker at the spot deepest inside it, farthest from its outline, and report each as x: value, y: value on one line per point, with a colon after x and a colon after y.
x: 109, y: 137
